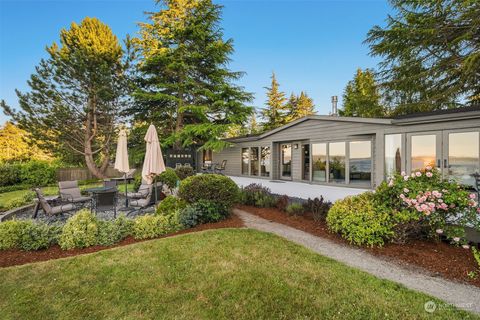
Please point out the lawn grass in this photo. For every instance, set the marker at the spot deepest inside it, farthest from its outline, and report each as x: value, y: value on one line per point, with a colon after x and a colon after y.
x: 217, y: 274
x: 11, y: 199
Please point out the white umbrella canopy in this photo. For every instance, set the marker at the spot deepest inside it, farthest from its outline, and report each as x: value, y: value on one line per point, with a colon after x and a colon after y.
x: 153, y: 163
x: 121, y: 158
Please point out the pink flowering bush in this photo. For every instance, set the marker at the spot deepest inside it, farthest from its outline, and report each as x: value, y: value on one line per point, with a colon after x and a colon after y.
x: 428, y: 205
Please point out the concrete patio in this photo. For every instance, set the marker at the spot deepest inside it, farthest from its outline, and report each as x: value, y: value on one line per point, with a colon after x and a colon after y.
x: 300, y: 189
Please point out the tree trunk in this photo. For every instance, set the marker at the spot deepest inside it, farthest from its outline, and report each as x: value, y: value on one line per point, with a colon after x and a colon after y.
x: 89, y: 136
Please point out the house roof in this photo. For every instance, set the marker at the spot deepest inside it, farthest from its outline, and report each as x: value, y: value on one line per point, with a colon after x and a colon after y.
x: 420, y: 117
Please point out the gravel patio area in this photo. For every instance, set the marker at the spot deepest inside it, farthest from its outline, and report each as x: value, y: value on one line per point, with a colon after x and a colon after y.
x: 460, y: 295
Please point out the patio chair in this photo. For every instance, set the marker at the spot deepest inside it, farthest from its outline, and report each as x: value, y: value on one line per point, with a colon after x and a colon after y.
x: 110, y: 184
x: 142, y: 192
x: 70, y: 193
x: 48, y: 209
x: 142, y: 203
x: 105, y: 200
x: 220, y: 169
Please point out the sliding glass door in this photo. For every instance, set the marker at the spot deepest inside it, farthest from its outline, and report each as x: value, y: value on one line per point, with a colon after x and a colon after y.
x: 286, y: 161
x: 461, y: 155
x: 423, y: 149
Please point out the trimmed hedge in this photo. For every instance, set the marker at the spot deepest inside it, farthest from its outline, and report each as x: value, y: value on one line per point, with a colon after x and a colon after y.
x: 31, y: 173
x: 27, y: 235
x: 215, y: 188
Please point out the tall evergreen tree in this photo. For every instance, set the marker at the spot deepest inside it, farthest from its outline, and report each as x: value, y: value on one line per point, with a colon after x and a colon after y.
x: 305, y: 106
x: 76, y: 94
x: 361, y: 97
x: 276, y: 111
x: 431, y: 54
x: 185, y: 85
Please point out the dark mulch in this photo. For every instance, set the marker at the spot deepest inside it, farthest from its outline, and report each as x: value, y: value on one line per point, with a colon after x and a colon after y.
x: 437, y: 258
x: 18, y: 257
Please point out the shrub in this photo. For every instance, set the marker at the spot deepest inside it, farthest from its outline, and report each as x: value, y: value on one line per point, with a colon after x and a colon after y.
x: 170, y: 204
x: 426, y: 202
x: 359, y: 220
x: 184, y: 172
x: 212, y: 187
x: 189, y: 217
x: 295, y: 208
x: 111, y: 232
x: 80, y: 231
x: 257, y: 195
x: 282, y: 203
x: 152, y: 226
x: 168, y: 178
x: 137, y: 181
x: 10, y: 173
x: 476, y: 256
x: 265, y: 200
x: 210, y: 211
x: 318, y: 207
x: 31, y: 173
x: 27, y: 235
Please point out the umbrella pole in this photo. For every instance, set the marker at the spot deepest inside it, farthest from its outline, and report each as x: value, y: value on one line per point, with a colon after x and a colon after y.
x: 126, y: 198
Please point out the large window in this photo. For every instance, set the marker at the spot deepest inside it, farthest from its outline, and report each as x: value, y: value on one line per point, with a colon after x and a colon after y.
x: 254, y: 161
x: 360, y: 162
x: 393, y: 154
x: 245, y: 160
x: 306, y: 162
x: 265, y: 155
x: 336, y: 162
x: 463, y: 156
x: 424, y: 151
x: 319, y: 159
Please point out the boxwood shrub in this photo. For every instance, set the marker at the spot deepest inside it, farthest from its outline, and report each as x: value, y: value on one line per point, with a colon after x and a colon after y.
x: 152, y: 226
x: 80, y: 231
x: 27, y: 235
x: 215, y: 188
x: 184, y: 172
x: 170, y: 204
x: 169, y: 178
x: 359, y: 220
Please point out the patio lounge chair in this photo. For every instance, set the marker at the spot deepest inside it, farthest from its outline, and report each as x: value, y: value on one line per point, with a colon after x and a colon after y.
x: 142, y: 203
x: 142, y: 192
x: 70, y: 193
x: 220, y: 169
x: 48, y: 209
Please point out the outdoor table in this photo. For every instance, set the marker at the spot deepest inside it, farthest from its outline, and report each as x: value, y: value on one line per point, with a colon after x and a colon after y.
x: 50, y: 200
x: 126, y: 180
x: 95, y: 192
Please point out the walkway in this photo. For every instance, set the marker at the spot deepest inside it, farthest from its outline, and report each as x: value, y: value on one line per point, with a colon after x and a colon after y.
x: 300, y: 189
x: 462, y: 296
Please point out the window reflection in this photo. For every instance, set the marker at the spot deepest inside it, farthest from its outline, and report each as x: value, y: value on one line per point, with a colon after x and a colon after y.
x: 424, y: 151
x: 319, y: 159
x: 244, y: 160
x: 393, y: 154
x: 254, y: 161
x: 336, y: 162
x: 265, y: 162
x: 360, y: 162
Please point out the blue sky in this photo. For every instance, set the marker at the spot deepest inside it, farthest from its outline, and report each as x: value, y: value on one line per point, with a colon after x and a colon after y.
x: 314, y: 45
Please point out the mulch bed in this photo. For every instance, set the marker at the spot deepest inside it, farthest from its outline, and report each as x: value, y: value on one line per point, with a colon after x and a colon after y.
x: 437, y: 258
x: 18, y: 257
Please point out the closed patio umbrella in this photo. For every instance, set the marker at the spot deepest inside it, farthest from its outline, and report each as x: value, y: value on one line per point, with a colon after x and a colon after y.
x: 121, y: 158
x: 153, y: 164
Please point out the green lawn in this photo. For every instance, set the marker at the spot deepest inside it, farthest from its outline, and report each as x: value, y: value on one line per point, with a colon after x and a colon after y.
x: 217, y: 274
x: 9, y: 200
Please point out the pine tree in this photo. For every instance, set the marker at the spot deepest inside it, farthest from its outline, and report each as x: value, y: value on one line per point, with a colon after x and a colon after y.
x: 185, y: 85
x: 76, y: 94
x: 361, y: 97
x: 431, y: 54
x: 276, y: 111
x: 292, y: 107
x: 301, y: 106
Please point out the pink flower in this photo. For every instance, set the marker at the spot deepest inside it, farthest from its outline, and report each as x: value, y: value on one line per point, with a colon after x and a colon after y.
x: 424, y: 206
x: 390, y: 183
x: 428, y: 168
x: 478, y: 210
x: 440, y: 201
x: 439, y: 231
x: 406, y: 190
x: 472, y: 195
x: 427, y: 213
x: 431, y: 205
x: 414, y: 201
x: 429, y: 174
x: 403, y: 173
x: 402, y: 196
x: 405, y: 178
x: 418, y: 174
x: 456, y: 239
x: 465, y: 246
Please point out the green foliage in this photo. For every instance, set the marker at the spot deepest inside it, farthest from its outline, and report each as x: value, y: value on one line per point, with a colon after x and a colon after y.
x: 359, y: 220
x: 276, y: 111
x: 318, y: 207
x: 152, y: 226
x: 76, y: 94
x: 212, y: 187
x: 361, y: 97
x: 185, y: 85
x: 27, y: 235
x: 170, y: 204
x: 137, y: 182
x: 299, y: 106
x: 111, y: 232
x: 295, y: 208
x: 184, y: 172
x: 168, y: 178
x: 282, y: 203
x: 257, y: 195
x: 202, y: 211
x: 80, y: 231
x: 431, y: 57
x: 31, y: 173
x: 189, y: 216
x: 476, y: 256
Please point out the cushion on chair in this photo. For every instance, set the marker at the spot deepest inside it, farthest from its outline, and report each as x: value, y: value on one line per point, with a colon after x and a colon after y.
x: 139, y: 203
x: 81, y: 199
x: 69, y: 190
x: 63, y: 208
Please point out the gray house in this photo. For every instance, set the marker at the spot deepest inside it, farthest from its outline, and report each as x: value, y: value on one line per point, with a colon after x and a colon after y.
x: 358, y: 152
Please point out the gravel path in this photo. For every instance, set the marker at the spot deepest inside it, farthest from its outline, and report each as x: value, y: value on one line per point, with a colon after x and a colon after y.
x: 462, y: 296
